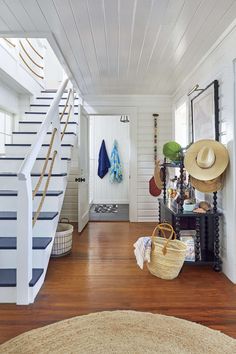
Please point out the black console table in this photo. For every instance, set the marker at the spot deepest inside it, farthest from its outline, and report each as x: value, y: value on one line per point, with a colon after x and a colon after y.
x: 207, y: 242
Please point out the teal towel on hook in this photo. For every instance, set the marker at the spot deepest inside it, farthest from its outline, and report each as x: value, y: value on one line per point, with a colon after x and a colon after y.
x: 115, y: 170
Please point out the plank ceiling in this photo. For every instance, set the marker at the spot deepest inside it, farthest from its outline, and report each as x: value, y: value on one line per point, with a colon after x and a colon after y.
x: 125, y: 46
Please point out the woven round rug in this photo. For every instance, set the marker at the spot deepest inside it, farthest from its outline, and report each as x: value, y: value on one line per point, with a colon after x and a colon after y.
x: 126, y: 332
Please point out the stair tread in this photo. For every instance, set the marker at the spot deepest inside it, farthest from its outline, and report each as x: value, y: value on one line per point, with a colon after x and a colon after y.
x: 8, y: 277
x: 12, y: 215
x: 40, y: 122
x: 13, y: 193
x: 70, y: 145
x: 37, y: 133
x: 28, y: 112
x: 51, y: 98
x: 48, y: 105
x: 52, y: 91
x: 39, y: 243
x: 13, y: 174
x: 22, y: 158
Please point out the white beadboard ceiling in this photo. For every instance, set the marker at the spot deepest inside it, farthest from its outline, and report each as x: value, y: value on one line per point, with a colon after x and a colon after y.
x: 124, y: 46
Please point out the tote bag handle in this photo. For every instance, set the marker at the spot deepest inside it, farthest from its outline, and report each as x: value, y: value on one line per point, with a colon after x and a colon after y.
x: 165, y: 227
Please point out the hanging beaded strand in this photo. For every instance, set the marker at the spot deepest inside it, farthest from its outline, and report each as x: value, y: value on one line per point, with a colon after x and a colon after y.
x: 155, y: 115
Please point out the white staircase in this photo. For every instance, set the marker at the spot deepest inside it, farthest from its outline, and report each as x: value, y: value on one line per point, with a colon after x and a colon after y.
x: 26, y: 242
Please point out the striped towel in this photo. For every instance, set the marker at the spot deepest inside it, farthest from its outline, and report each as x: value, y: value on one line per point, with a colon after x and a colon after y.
x: 142, y: 250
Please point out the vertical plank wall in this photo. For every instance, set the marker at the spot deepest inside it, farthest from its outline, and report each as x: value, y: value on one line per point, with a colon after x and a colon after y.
x: 70, y: 205
x: 109, y: 128
x: 148, y: 205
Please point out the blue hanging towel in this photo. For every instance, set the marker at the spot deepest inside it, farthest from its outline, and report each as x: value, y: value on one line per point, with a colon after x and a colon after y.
x: 103, y: 161
x: 115, y: 171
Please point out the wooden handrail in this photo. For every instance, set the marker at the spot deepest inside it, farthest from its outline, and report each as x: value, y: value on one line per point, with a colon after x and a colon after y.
x: 66, y: 105
x: 9, y: 42
x: 41, y: 77
x: 66, y: 123
x: 34, y: 62
x: 31, y: 45
x: 51, y: 115
x: 45, y: 163
x: 36, y: 215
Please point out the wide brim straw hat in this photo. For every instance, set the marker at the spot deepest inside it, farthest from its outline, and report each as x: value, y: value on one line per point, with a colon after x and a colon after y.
x: 206, y: 159
x: 158, y: 175
x: 213, y: 185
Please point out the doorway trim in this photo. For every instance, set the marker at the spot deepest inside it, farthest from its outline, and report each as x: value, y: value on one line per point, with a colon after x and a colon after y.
x: 132, y: 113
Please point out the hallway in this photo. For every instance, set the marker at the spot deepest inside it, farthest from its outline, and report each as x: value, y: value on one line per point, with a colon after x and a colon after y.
x: 101, y: 274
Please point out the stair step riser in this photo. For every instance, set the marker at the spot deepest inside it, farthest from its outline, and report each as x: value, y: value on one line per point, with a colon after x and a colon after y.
x: 30, y: 127
x: 42, y: 227
x: 52, y: 94
x: 8, y: 258
x: 42, y: 100
x: 30, y: 138
x: 23, y: 150
x: 55, y: 184
x: 14, y: 165
x: 41, y: 117
x: 50, y: 203
x: 8, y: 294
x: 43, y: 107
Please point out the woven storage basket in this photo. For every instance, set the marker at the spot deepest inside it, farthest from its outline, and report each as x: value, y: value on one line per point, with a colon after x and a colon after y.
x: 63, y: 239
x: 167, y: 255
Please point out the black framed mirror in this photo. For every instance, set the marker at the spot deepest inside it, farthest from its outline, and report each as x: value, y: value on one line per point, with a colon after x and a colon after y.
x: 205, y: 113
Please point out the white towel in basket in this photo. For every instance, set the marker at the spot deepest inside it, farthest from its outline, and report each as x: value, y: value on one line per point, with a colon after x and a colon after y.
x: 142, y: 250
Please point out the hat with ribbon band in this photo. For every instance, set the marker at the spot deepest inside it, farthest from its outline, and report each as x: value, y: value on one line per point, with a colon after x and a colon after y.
x: 206, y: 159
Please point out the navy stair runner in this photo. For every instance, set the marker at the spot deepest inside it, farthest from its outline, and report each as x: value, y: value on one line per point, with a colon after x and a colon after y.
x: 8, y: 277
x: 39, y: 243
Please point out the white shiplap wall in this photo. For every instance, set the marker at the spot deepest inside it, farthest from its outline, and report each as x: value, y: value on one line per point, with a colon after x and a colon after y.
x: 70, y: 204
x: 148, y: 205
x: 109, y: 128
x: 219, y: 65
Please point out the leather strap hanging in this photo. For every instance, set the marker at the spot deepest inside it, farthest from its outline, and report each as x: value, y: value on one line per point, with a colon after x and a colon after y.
x: 153, y: 189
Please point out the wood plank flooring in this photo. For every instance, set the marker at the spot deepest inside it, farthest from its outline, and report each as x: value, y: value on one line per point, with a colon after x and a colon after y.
x: 101, y: 274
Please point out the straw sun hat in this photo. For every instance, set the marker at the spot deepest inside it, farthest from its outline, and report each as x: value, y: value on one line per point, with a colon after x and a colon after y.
x: 211, y: 186
x: 158, y: 175
x: 206, y: 161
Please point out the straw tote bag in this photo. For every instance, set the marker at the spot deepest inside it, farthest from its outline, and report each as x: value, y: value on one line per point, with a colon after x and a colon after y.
x: 167, y: 255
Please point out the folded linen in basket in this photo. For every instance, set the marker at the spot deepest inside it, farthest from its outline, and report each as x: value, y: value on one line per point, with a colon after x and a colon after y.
x: 142, y: 250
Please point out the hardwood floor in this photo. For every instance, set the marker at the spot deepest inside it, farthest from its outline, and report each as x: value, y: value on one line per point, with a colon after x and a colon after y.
x: 101, y: 274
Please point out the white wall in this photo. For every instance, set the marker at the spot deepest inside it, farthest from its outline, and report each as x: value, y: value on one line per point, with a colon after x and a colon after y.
x: 145, y: 207
x: 109, y: 128
x: 53, y: 71
x: 9, y: 99
x: 70, y: 203
x: 218, y: 64
x: 15, y: 73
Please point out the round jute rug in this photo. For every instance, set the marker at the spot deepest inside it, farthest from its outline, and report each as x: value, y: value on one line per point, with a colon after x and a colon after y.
x: 126, y: 332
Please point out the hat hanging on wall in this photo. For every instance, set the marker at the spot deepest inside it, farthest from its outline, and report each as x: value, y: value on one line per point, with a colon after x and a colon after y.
x: 172, y: 150
x: 158, y: 175
x: 206, y: 160
x: 213, y: 185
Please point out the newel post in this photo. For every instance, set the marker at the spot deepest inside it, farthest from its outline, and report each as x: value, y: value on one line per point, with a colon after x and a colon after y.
x: 24, y: 240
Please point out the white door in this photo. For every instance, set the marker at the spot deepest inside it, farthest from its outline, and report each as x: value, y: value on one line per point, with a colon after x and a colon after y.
x: 83, y: 178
